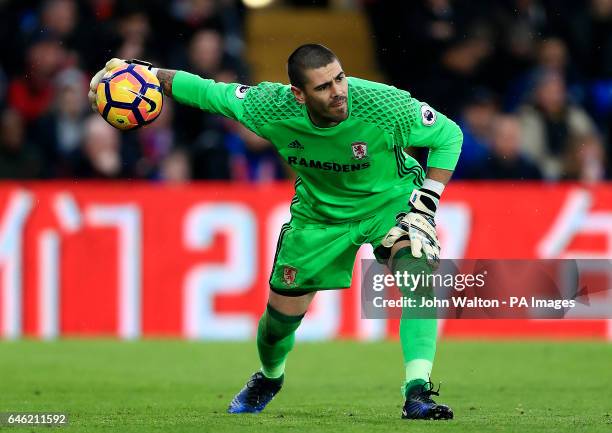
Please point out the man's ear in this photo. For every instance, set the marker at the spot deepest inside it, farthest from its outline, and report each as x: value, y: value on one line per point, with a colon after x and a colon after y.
x: 299, y: 94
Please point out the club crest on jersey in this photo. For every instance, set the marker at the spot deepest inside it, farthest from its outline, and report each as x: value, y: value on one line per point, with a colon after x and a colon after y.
x: 428, y: 115
x: 241, y: 91
x: 360, y: 150
x: 289, y: 274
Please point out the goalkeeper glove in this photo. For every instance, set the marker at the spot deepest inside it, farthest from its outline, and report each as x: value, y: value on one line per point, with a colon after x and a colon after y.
x: 93, y: 84
x: 417, y: 226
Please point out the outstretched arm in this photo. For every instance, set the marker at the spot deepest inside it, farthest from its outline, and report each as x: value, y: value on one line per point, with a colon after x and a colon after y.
x: 219, y: 98
x: 226, y: 99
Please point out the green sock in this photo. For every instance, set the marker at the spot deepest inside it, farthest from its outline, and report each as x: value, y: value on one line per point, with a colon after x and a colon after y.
x: 417, y: 336
x: 275, y: 339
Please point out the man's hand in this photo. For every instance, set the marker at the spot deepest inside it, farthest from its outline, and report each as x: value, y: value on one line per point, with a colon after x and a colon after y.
x: 93, y: 85
x: 421, y: 231
x: 418, y: 227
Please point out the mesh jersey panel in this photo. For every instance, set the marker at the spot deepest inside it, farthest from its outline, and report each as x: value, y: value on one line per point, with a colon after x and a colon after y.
x: 269, y: 102
x: 390, y: 108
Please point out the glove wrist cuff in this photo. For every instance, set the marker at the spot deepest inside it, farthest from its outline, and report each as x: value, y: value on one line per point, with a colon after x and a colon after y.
x: 424, y: 201
x: 433, y: 186
x: 147, y: 65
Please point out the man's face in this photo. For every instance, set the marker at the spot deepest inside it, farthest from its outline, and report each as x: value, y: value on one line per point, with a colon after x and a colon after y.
x: 325, y: 94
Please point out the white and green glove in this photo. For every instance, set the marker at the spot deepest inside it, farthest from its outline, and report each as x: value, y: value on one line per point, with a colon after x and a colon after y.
x: 417, y: 226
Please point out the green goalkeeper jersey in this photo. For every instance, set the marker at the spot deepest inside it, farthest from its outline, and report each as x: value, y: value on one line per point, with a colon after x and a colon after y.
x: 345, y: 172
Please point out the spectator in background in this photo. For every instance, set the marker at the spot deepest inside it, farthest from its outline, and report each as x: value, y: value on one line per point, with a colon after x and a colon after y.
x: 591, y: 48
x: 190, y: 16
x: 550, y: 121
x: 200, y: 132
x: 59, y: 18
x: 505, y: 159
x: 457, y: 75
x: 433, y: 25
x: 18, y: 158
x: 134, y: 31
x: 552, y: 57
x: 591, y: 39
x: 175, y: 167
x: 156, y: 143
x: 194, y: 13
x: 60, y: 133
x: 584, y: 159
x: 209, y: 58
x: 476, y: 122
x: 247, y: 156
x: 206, y: 53
x: 519, y: 25
x: 232, y: 14
x: 415, y: 33
x: 32, y: 94
x: 184, y: 19
x: 98, y: 21
x: 253, y: 158
x: 100, y: 152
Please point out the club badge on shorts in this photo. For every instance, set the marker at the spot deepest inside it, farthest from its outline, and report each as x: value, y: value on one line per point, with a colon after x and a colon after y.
x: 360, y: 150
x: 289, y: 274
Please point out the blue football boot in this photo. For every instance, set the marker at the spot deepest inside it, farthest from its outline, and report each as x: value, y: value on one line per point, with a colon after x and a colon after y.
x: 256, y: 394
x: 419, y: 404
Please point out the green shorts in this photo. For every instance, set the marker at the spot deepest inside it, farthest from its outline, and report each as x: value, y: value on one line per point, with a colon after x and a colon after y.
x: 314, y: 256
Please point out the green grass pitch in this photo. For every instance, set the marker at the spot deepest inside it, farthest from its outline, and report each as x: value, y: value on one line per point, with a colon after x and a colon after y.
x: 177, y: 386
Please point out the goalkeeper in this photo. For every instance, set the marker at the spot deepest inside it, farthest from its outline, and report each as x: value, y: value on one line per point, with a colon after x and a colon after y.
x: 345, y: 138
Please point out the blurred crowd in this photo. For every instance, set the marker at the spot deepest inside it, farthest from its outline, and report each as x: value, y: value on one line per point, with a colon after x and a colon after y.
x: 53, y: 47
x: 529, y: 81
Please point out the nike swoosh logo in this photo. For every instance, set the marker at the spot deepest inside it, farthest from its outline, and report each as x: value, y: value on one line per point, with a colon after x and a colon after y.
x: 152, y: 104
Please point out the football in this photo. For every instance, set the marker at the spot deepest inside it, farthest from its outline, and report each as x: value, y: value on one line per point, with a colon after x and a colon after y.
x: 129, y: 97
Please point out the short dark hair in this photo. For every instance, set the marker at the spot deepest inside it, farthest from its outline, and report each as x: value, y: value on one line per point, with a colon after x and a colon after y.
x: 307, y: 56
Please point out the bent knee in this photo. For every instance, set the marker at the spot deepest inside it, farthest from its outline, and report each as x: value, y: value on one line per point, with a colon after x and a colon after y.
x: 290, y: 305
